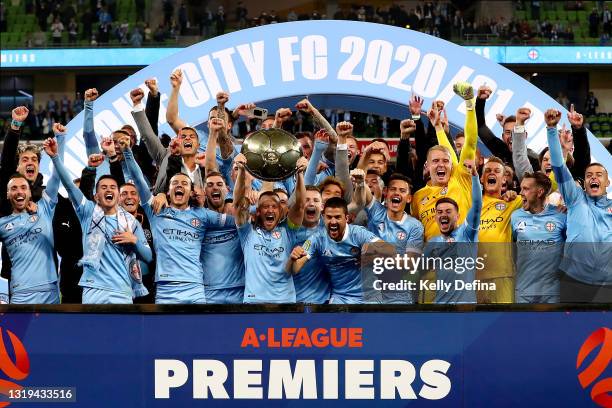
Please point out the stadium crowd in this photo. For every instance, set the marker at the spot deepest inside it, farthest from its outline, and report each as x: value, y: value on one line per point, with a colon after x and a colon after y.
x: 187, y: 223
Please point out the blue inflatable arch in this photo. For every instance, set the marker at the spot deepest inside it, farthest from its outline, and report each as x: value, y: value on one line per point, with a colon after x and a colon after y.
x: 351, y: 64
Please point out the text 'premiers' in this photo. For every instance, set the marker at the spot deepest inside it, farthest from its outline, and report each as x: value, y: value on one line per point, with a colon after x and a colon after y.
x: 303, y: 378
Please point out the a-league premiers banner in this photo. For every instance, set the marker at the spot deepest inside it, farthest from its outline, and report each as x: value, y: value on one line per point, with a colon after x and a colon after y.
x: 338, y: 58
x: 444, y: 359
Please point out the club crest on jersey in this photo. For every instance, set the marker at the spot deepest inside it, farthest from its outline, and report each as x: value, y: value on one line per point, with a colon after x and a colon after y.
x: 444, y: 191
x: 9, y: 226
x: 195, y: 223
x: 550, y: 226
x: 276, y: 235
x: 401, y: 235
x: 34, y: 218
x: 500, y: 206
x: 450, y: 239
x: 521, y: 226
x: 609, y: 210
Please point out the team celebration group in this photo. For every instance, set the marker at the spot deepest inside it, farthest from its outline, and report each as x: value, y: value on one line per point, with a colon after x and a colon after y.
x: 189, y: 224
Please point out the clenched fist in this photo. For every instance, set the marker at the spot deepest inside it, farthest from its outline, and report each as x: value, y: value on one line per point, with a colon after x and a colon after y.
x: 344, y: 129
x: 522, y: 116
x: 20, y: 113
x: 151, y: 83
x: 304, y: 105
x: 407, y: 127
x: 136, y: 95
x: 176, y: 78
x: 91, y: 94
x: 552, y: 117
x: 222, y: 98
x: 95, y: 160
x: 484, y: 92
x: 58, y: 129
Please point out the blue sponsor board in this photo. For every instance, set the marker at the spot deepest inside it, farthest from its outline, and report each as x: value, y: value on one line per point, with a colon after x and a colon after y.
x: 446, y: 359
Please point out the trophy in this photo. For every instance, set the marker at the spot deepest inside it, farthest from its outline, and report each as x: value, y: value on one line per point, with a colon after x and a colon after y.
x: 271, y: 154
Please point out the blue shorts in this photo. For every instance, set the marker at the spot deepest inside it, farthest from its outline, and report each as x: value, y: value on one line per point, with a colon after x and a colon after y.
x: 49, y: 295
x: 93, y: 296
x: 337, y: 299
x: 169, y: 293
x: 227, y: 296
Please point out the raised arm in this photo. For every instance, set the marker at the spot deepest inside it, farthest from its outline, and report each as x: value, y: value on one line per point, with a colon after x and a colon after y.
x: 153, y: 102
x: 471, y: 137
x: 342, y: 172
x: 74, y: 194
x: 51, y: 148
x: 434, y: 116
x: 362, y: 196
x: 136, y: 172
x: 281, y: 116
x: 89, y: 134
x: 404, y: 164
x: 321, y: 143
x: 154, y: 145
x: 493, y: 143
x: 215, y: 126
x: 305, y: 106
x: 582, y: 149
x: 520, y: 158
x: 295, y: 215
x: 8, y: 159
x: 172, y: 115
x: 473, y: 216
x: 224, y: 139
x: 568, y: 188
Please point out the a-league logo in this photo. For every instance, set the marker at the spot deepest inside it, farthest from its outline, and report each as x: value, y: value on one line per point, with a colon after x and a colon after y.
x: 601, y: 393
x: 15, y: 370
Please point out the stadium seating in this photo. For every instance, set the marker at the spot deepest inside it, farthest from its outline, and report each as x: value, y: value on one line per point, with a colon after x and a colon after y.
x: 600, y: 124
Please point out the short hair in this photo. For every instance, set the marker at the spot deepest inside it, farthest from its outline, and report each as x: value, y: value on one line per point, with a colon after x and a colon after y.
x: 301, y: 135
x: 127, y: 184
x: 509, y: 119
x: 214, y: 174
x: 121, y: 131
x: 180, y: 173
x: 280, y: 190
x: 459, y: 134
x: 401, y: 177
x: 541, y: 155
x: 541, y: 180
x: 380, y: 154
x: 18, y: 176
x: 336, y: 202
x: 447, y: 200
x: 26, y: 147
x: 106, y: 177
x: 190, y: 128
x: 596, y: 164
x: 313, y: 188
x: 331, y: 180
x: 495, y: 159
x: 438, y: 148
x: 268, y: 193
x: 380, y: 139
x: 228, y: 113
x: 128, y: 127
x: 352, y: 137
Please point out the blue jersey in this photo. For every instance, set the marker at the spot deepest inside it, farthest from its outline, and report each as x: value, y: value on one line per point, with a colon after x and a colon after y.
x: 539, y: 248
x: 588, y: 248
x: 341, y: 258
x: 265, y: 256
x: 221, y: 258
x: 28, y: 239
x: 461, y: 243
x: 312, y: 282
x: 406, y: 235
x: 113, y: 274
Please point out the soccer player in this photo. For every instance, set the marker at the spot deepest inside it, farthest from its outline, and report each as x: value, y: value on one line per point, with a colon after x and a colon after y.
x: 456, y: 241
x: 113, y: 241
x: 339, y: 248
x: 539, y: 232
x: 29, y: 240
x: 495, y: 234
x: 266, y: 244
x: 587, y: 261
x: 178, y: 233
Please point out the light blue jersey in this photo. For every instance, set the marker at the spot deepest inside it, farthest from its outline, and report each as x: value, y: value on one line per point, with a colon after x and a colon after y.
x: 461, y: 243
x: 4, y: 290
x: 28, y: 239
x: 539, y: 248
x: 312, y: 282
x: 342, y: 259
x: 222, y: 259
x: 406, y: 235
x: 265, y: 256
x: 112, y: 274
x: 588, y: 249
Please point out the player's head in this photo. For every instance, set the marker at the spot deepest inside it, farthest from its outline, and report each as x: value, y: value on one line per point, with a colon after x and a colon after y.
x: 180, y: 190
x: 545, y: 164
x: 447, y: 214
x: 397, y: 193
x: 440, y: 165
x: 596, y: 180
x: 116, y: 136
x: 459, y: 142
x: 28, y: 161
x: 305, y: 139
x: 18, y: 192
x: 107, y: 192
x: 268, y: 122
x: 508, y: 126
x: 377, y: 162
x: 268, y: 210
x: 534, y: 189
x: 227, y: 117
x: 331, y: 187
x: 284, y: 201
x: 188, y: 138
x: 216, y: 190
x: 493, y: 176
x: 131, y: 132
x: 353, y: 148
x: 129, y: 199
x: 375, y: 183
x: 313, y: 206
x: 335, y: 217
